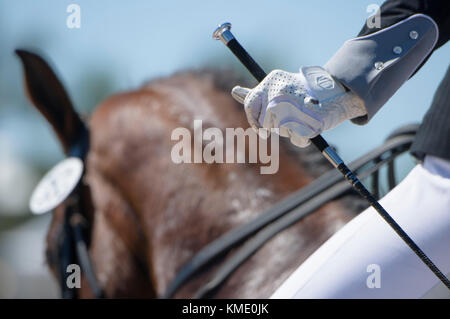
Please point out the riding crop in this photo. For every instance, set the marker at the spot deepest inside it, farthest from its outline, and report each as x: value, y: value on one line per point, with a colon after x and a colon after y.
x: 224, y: 34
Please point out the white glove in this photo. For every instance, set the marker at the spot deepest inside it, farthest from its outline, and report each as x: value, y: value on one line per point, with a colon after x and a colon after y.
x: 301, y: 105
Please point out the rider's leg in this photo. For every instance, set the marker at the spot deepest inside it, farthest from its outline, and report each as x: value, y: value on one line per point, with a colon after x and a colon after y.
x: 367, y: 259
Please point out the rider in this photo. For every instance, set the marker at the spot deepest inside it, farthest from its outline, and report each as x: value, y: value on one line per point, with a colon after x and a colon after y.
x: 366, y: 259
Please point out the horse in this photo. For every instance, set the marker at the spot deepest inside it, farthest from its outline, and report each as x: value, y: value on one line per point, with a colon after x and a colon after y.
x: 148, y: 215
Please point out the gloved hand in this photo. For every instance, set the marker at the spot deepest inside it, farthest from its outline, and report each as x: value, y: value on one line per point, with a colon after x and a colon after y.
x: 301, y: 105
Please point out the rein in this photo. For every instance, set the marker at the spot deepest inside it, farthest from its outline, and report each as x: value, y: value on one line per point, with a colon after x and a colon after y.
x: 287, y: 212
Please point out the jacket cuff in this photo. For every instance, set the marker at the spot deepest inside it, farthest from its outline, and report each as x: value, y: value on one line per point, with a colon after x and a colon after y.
x: 375, y: 66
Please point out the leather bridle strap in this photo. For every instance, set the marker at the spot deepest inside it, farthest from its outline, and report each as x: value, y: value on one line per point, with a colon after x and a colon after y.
x: 250, y: 247
x: 74, y: 248
x: 226, y: 242
x: 77, y: 222
x: 66, y: 257
x: 255, y: 243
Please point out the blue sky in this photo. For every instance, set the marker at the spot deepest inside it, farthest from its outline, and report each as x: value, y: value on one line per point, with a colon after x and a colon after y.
x: 125, y: 43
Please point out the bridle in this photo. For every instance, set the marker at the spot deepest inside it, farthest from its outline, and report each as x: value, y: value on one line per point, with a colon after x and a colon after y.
x: 74, y: 244
x: 74, y: 249
x: 330, y: 186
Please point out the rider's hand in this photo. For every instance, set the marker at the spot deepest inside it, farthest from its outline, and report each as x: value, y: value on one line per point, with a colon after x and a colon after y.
x: 301, y: 105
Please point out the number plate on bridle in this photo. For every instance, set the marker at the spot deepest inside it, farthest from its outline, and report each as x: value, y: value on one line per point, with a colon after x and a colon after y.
x: 56, y: 185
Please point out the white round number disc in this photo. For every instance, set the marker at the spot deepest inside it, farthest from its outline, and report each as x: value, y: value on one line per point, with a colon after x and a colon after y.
x: 56, y: 185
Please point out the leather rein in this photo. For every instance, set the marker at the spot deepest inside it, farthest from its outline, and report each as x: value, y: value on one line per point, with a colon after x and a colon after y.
x: 287, y: 212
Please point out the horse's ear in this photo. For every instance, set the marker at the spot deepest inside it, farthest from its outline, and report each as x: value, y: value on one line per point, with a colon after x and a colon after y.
x: 47, y: 93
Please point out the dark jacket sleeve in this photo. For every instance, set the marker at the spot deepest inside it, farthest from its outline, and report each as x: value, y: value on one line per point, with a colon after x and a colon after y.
x: 375, y: 64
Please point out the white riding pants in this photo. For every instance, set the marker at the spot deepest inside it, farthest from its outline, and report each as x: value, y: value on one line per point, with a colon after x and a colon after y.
x: 367, y: 259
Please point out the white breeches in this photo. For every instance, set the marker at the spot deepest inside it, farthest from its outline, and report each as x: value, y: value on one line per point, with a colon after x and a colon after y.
x: 367, y: 259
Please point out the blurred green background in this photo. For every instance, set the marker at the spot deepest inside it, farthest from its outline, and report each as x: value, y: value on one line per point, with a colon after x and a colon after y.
x: 120, y: 45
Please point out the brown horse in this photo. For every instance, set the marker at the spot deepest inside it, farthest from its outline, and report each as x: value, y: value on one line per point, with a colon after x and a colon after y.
x: 149, y: 215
